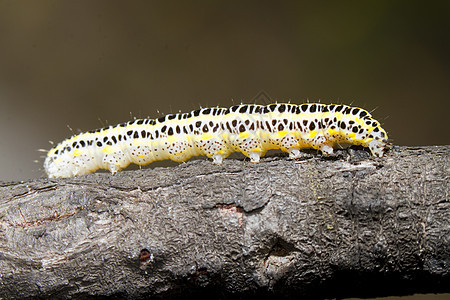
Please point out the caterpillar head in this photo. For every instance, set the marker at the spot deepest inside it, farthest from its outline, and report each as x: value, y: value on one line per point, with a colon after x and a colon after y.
x: 60, y: 162
x: 57, y: 165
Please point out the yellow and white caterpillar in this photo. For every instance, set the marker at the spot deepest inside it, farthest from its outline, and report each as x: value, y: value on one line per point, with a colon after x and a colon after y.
x: 216, y: 132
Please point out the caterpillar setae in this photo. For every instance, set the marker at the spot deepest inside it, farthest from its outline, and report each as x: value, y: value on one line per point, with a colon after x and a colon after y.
x: 216, y: 132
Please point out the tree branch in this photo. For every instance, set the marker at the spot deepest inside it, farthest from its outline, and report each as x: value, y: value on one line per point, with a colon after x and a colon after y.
x: 339, y: 226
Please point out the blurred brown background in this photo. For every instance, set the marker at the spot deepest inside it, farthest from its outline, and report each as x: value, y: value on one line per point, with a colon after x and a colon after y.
x: 75, y: 62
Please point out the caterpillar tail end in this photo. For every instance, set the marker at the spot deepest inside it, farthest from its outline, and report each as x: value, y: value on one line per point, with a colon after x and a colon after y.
x: 377, y: 147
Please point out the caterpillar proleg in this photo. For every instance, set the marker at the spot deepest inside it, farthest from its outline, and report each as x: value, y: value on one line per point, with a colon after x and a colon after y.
x: 216, y: 132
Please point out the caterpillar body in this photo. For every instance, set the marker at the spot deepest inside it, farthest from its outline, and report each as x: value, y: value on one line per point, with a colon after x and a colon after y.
x: 216, y: 132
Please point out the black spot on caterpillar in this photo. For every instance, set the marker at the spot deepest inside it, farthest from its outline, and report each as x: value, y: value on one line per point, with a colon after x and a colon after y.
x: 216, y: 132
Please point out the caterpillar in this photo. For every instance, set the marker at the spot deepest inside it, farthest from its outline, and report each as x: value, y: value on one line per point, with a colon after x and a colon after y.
x: 216, y: 132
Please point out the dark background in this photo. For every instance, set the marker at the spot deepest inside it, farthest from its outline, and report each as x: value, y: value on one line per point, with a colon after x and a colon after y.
x: 87, y: 64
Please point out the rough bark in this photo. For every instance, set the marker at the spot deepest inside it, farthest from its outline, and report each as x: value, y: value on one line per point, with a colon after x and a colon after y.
x: 339, y: 226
